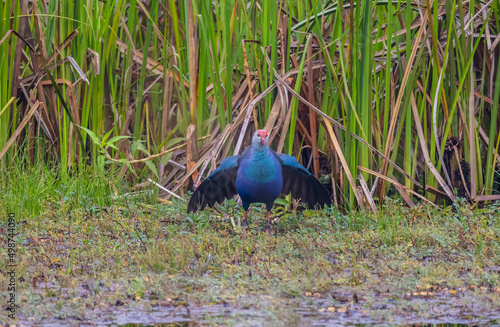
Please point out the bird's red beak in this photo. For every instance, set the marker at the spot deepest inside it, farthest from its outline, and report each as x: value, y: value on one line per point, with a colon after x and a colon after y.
x: 263, y: 135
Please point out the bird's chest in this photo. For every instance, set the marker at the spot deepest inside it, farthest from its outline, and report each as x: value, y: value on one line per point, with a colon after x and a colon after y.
x: 259, y: 180
x: 260, y: 170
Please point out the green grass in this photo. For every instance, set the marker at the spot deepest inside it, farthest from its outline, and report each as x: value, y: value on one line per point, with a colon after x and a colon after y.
x: 143, y: 254
x: 148, y: 70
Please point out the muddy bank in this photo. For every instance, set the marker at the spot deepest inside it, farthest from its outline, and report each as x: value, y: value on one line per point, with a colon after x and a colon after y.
x: 401, y: 266
x: 347, y: 307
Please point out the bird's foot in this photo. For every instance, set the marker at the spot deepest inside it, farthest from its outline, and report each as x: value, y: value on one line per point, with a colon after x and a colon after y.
x: 267, y: 227
x: 244, y: 223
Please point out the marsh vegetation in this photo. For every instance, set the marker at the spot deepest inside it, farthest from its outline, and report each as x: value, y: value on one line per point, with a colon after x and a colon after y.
x: 86, y: 255
x: 392, y: 104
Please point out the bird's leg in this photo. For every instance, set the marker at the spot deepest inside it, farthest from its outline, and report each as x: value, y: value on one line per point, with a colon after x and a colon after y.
x: 245, y: 219
x: 267, y: 226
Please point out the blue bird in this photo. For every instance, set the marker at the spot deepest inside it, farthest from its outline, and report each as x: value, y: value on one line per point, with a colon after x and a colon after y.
x: 259, y: 175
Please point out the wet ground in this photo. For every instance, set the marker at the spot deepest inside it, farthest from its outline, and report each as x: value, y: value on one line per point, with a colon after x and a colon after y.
x: 399, y: 268
x: 441, y: 308
x: 226, y: 315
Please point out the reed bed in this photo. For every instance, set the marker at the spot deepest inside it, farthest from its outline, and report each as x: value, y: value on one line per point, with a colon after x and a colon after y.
x: 380, y: 97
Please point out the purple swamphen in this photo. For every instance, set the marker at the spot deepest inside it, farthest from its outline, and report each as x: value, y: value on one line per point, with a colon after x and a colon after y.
x: 259, y: 175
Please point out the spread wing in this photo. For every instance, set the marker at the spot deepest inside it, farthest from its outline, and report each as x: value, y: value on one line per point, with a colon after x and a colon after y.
x: 220, y: 185
x: 303, y: 186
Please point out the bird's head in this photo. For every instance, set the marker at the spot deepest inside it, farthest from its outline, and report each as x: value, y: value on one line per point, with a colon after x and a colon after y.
x: 260, y: 138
